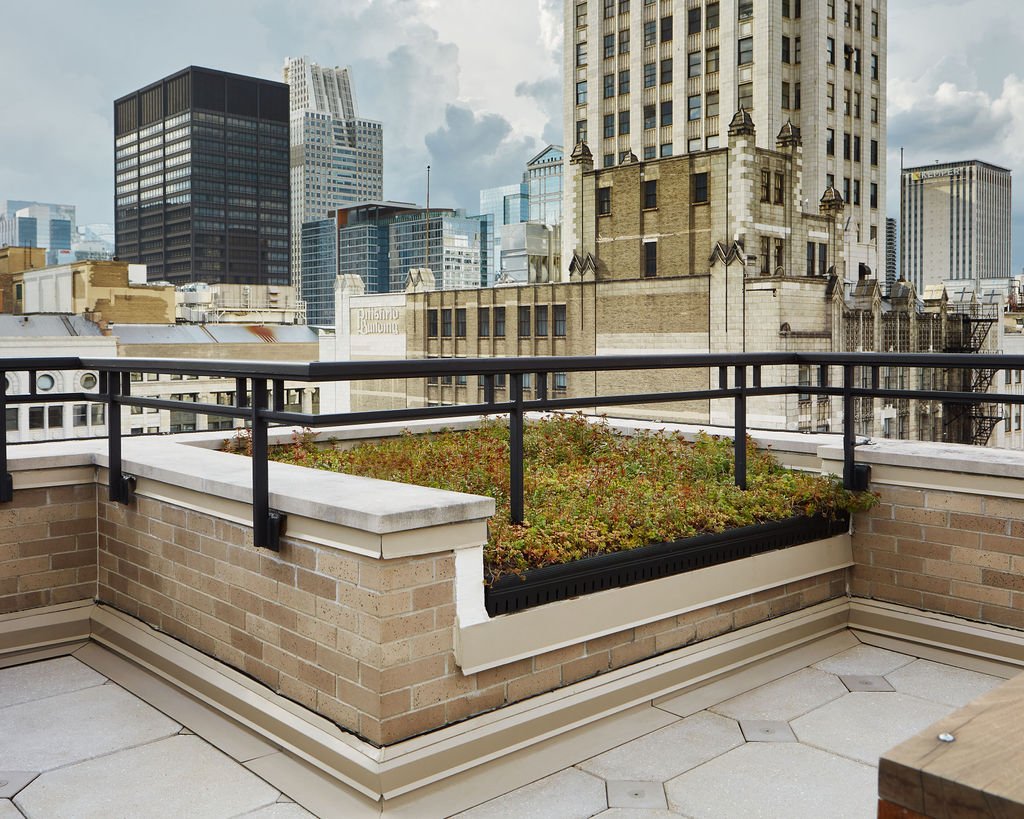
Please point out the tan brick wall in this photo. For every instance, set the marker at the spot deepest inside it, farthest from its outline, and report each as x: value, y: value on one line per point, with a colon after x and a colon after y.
x: 367, y: 643
x: 943, y: 551
x: 48, y: 547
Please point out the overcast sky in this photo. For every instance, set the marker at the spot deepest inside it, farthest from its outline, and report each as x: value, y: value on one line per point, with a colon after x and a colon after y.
x: 472, y: 87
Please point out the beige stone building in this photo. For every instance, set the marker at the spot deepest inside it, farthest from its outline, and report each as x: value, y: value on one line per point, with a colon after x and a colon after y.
x: 704, y: 253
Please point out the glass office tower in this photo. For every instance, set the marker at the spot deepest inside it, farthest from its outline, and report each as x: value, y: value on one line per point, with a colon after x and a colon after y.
x: 201, y: 178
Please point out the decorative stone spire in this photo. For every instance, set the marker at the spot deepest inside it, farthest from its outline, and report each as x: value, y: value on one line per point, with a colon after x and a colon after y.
x: 832, y: 201
x: 581, y: 155
x: 789, y: 136
x: 742, y: 124
x: 629, y: 159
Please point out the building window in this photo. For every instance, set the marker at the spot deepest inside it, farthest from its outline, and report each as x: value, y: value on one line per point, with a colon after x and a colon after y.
x: 785, y: 49
x: 779, y: 247
x: 609, y: 45
x: 856, y: 191
x: 99, y: 413
x: 524, y: 322
x: 810, y: 258
x: 446, y: 323
x: 765, y: 258
x: 785, y: 94
x: 581, y: 15
x: 766, y: 186
x: 830, y: 142
x: 11, y: 419
x: 779, y: 187
x: 874, y: 67
x: 693, y: 21
x: 693, y: 107
x: 856, y: 148
x: 874, y: 109
x: 650, y: 33
x: 650, y: 259
x: 623, y: 6
x: 650, y: 151
x: 624, y: 82
x: 609, y: 126
x: 745, y: 9
x: 746, y: 96
x: 650, y: 193
x: 846, y: 189
x: 581, y: 92
x: 712, y: 60
x: 666, y: 29
x: 541, y: 319
x: 609, y: 86
x: 874, y: 194
x: 581, y: 130
x: 36, y: 418
x: 856, y: 17
x: 623, y: 122
x: 693, y: 61
x: 796, y: 96
x: 581, y: 54
x: 666, y: 112
x: 650, y: 117
x: 830, y: 50
x: 822, y: 259
x: 499, y: 322
x: 624, y: 41
x: 665, y: 149
x: 609, y: 160
x: 746, y: 50
x: 79, y: 415
x: 830, y: 96
x: 711, y: 104
x: 432, y: 323
x: 856, y: 61
x: 874, y: 24
x: 559, y: 311
x: 604, y: 201
x: 650, y: 75
x: 700, y: 187
x: 666, y: 71
x: 846, y: 146
x: 874, y: 152
x: 460, y: 322
x: 711, y: 20
x: 561, y: 382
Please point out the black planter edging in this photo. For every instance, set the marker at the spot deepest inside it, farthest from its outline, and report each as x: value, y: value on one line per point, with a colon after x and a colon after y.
x: 609, y: 571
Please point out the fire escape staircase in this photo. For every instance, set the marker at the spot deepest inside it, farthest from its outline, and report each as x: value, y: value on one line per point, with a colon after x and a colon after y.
x: 973, y: 423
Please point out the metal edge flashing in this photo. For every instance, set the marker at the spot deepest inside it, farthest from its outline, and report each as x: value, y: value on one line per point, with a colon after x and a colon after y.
x: 45, y: 631
x: 981, y: 647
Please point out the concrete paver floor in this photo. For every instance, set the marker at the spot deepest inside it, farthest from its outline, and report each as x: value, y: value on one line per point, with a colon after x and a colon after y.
x: 74, y: 744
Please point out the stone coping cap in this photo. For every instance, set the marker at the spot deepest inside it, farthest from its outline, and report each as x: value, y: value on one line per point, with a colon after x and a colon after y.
x: 371, y: 505
x: 1004, y: 463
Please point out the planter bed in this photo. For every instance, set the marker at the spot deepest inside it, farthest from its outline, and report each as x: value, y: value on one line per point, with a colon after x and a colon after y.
x: 511, y: 593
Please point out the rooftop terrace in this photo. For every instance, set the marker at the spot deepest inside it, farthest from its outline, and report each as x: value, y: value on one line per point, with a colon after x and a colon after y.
x: 356, y: 669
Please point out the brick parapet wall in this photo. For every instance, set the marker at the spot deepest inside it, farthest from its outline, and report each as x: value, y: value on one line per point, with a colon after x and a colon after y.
x: 367, y: 643
x: 955, y: 552
x: 48, y: 547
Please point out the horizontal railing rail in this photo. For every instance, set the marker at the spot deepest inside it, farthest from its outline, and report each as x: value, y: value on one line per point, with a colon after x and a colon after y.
x: 259, y: 389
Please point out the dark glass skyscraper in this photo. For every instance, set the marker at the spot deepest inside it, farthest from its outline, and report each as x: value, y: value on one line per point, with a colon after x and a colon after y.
x: 201, y: 178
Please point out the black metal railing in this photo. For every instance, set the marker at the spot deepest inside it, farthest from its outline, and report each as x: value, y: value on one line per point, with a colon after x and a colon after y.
x: 260, y: 394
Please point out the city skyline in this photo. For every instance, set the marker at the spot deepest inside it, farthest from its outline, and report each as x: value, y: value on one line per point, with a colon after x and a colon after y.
x: 473, y: 107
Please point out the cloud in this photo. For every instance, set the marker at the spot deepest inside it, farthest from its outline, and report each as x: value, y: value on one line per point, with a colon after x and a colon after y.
x: 473, y: 151
x: 548, y: 96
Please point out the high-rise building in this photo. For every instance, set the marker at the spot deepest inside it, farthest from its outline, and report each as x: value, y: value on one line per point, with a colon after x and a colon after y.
x: 955, y: 223
x: 201, y: 165
x: 660, y: 79
x: 38, y: 224
x: 381, y: 242
x: 544, y: 178
x: 337, y: 157
x: 503, y: 205
x: 890, y: 254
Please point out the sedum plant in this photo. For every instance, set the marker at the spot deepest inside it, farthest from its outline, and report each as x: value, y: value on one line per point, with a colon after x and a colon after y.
x: 588, y: 488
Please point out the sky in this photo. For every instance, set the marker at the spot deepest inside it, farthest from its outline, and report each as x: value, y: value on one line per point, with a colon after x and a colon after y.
x: 471, y: 87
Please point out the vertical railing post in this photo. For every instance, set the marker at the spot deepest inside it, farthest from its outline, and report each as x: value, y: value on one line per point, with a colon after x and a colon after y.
x: 740, y: 431
x: 6, y: 481
x: 849, y: 430
x: 113, y: 437
x: 265, y: 527
x: 488, y: 389
x: 515, y: 448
